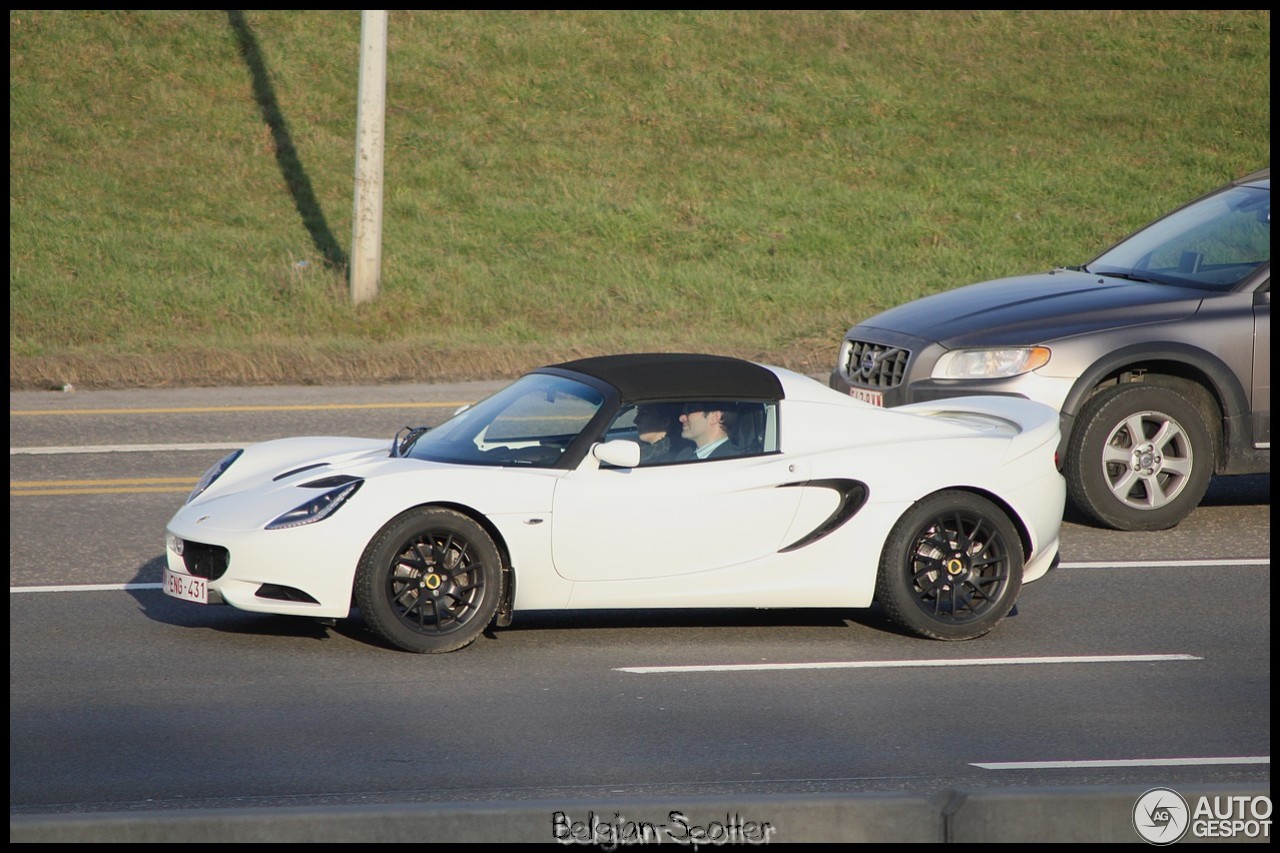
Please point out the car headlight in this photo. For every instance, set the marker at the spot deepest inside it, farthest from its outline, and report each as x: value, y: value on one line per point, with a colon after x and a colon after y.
x: 990, y: 363
x: 218, y: 469
x: 320, y: 507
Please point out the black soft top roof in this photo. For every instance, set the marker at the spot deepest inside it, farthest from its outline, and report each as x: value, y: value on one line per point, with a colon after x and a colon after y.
x: 678, y: 376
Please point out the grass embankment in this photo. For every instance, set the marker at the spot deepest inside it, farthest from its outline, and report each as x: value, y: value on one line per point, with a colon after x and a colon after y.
x: 566, y: 183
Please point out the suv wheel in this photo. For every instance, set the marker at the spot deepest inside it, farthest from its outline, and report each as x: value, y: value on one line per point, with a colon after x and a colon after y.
x: 1140, y: 458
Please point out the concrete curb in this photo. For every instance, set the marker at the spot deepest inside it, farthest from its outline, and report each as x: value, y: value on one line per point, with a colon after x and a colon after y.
x: 1097, y: 814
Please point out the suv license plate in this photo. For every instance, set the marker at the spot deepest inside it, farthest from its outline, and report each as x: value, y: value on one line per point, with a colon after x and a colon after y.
x: 186, y: 587
x: 875, y: 398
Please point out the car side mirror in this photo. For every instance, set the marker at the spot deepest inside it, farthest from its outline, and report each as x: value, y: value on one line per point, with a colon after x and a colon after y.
x: 619, y: 453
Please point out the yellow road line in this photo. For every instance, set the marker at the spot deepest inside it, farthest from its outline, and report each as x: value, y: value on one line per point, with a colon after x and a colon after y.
x: 99, y: 491
x: 26, y: 488
x: 117, y: 481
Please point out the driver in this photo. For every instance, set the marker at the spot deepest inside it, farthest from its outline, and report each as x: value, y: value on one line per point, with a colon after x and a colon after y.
x: 708, y: 426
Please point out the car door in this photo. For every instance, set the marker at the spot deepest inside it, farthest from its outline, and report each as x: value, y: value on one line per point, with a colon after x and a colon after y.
x: 672, y: 521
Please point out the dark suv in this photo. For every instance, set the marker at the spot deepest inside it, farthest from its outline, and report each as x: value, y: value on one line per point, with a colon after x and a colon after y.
x: 1157, y: 353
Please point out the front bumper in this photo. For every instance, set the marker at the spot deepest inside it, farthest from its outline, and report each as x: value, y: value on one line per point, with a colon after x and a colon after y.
x: 925, y: 390
x: 899, y: 368
x: 267, y: 571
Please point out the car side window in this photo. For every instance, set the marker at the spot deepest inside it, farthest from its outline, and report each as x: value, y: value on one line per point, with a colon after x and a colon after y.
x: 725, y: 429
x: 656, y: 428
x: 694, y: 431
x: 757, y: 428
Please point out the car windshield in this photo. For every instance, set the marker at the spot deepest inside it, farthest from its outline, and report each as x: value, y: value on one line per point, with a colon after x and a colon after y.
x: 529, y: 423
x: 1214, y: 244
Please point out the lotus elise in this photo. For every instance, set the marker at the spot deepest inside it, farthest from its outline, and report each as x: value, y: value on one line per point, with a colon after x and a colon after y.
x: 539, y: 498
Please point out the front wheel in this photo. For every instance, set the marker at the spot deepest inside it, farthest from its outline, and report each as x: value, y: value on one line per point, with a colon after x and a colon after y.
x: 951, y: 567
x: 430, y: 581
x: 1140, y: 458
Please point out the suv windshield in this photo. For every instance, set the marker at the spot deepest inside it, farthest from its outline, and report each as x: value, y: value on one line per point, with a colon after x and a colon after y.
x: 1215, y: 244
x: 530, y: 422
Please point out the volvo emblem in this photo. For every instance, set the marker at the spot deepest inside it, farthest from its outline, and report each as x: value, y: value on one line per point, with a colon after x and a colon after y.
x: 868, y: 365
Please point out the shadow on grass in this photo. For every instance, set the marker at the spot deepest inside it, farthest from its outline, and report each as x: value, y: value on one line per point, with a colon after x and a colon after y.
x: 295, y: 176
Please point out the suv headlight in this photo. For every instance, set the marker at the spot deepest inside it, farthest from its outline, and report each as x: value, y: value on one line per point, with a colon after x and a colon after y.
x: 990, y: 363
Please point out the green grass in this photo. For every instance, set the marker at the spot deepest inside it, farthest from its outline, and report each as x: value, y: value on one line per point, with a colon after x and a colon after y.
x: 562, y: 183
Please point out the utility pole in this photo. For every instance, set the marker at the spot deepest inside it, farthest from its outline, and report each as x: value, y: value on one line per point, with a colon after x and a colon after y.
x: 366, y: 238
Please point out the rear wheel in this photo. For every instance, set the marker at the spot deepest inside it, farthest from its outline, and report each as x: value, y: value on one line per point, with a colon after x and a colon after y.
x: 430, y: 581
x: 1140, y: 458
x: 951, y: 567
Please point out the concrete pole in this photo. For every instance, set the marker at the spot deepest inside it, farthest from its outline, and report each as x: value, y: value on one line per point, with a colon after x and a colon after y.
x: 366, y: 238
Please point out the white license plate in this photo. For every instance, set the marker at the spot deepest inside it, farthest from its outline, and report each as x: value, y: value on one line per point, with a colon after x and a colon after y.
x: 186, y: 587
x: 875, y: 398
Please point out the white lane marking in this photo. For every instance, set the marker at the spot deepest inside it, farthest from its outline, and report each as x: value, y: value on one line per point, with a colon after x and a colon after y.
x: 121, y: 448
x: 86, y: 587
x: 1127, y: 565
x: 895, y: 664
x: 1122, y: 762
x: 1164, y: 564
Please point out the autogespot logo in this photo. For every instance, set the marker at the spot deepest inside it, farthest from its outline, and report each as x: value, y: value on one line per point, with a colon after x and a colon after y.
x: 1160, y: 816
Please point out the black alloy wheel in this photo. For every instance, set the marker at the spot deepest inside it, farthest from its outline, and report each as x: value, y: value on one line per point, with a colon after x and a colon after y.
x: 952, y: 567
x: 430, y: 581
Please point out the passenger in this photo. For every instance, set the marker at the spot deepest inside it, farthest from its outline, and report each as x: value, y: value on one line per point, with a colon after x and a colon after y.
x: 658, y: 426
x: 708, y: 426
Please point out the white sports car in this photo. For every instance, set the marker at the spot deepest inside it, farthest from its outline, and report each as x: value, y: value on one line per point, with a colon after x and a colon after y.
x: 769, y: 490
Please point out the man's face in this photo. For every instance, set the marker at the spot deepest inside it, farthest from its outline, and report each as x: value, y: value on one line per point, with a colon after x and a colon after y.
x: 699, y: 425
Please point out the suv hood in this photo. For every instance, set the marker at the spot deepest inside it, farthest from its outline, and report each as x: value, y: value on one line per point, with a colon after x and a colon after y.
x: 1035, y: 309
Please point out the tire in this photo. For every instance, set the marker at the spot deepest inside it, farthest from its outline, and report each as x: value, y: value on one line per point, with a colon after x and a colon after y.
x: 1140, y: 458
x: 430, y: 581
x: 951, y: 568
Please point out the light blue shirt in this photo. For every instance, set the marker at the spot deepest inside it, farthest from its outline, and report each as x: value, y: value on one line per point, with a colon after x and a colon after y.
x: 705, y: 451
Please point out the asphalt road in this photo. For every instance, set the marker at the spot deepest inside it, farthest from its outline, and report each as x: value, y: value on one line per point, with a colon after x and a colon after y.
x: 1144, y: 660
